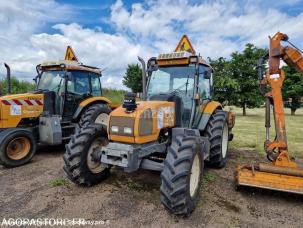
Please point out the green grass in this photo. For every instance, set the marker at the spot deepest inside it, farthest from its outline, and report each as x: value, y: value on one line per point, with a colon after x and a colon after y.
x: 210, y: 176
x: 58, y: 182
x: 249, y: 131
x: 116, y: 96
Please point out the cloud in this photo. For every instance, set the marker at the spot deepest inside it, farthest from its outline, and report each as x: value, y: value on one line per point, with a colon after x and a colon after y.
x: 95, y: 48
x: 34, y: 31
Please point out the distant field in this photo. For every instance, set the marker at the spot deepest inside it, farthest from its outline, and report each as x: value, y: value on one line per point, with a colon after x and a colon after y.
x: 116, y: 96
x: 249, y: 131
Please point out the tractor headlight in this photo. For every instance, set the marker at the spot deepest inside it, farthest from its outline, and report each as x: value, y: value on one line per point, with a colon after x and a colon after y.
x: 127, y: 130
x: 115, y: 129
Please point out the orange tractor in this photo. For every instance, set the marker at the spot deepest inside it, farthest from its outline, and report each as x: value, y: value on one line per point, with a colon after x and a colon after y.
x: 283, y: 174
x: 68, y: 94
x: 174, y: 129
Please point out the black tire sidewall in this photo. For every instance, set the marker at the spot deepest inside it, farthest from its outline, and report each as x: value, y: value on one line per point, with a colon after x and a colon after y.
x: 10, y: 163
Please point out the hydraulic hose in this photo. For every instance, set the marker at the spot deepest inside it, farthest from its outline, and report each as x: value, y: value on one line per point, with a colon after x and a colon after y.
x: 260, y: 73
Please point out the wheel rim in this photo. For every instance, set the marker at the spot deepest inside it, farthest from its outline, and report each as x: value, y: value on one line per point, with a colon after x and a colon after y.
x: 18, y: 148
x: 224, y: 140
x: 194, y: 175
x: 93, y: 165
x: 102, y: 119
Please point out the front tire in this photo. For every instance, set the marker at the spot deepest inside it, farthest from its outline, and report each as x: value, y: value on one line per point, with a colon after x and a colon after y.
x: 181, y: 176
x: 82, y: 162
x: 18, y: 146
x: 218, y: 133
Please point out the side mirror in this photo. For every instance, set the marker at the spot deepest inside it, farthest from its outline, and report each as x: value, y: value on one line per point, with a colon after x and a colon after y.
x: 207, y: 73
x: 35, y: 79
x: 68, y: 76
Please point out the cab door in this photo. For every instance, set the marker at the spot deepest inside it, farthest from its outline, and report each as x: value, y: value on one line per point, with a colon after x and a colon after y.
x: 77, y: 89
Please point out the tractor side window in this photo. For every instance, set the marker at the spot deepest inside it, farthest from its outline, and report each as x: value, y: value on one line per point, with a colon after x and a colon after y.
x: 79, y: 83
x: 96, y: 85
x: 204, y: 84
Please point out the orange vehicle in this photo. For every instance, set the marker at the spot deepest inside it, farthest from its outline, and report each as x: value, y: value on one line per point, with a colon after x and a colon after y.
x: 174, y: 128
x: 68, y: 94
x: 283, y: 174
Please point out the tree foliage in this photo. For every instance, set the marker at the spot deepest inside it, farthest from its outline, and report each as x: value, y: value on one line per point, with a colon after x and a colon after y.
x: 292, y: 89
x: 17, y: 86
x: 243, y: 70
x: 133, y: 78
x: 224, y: 84
x: 235, y: 80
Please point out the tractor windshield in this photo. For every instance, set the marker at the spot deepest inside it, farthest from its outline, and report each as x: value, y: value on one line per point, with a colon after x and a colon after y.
x: 51, y: 80
x: 179, y: 79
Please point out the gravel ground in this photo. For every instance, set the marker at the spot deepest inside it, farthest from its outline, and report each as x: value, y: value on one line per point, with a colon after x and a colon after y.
x: 125, y: 200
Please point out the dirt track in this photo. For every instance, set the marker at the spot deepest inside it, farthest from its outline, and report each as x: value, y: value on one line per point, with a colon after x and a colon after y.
x: 133, y: 199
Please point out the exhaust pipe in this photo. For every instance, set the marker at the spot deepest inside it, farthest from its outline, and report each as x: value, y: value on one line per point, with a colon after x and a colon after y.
x: 8, y: 79
x: 144, y: 95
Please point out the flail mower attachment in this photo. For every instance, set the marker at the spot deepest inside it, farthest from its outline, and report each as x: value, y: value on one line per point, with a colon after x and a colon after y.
x: 281, y: 175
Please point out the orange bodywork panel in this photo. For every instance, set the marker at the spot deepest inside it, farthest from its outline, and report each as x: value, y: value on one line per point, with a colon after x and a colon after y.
x: 14, y: 108
x: 93, y: 99
x: 210, y: 107
x: 170, y: 62
x: 159, y: 114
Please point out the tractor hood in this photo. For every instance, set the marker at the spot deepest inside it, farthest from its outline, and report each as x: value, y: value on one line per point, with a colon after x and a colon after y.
x: 22, y: 96
x: 143, y: 124
x: 15, y: 108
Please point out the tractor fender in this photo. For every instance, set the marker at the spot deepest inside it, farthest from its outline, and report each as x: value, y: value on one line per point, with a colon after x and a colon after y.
x: 206, y: 111
x: 87, y: 102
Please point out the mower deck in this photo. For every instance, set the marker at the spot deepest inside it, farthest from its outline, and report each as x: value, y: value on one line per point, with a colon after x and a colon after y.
x: 249, y: 176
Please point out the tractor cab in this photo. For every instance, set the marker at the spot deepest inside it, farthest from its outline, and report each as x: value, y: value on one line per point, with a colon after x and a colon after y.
x: 67, y: 83
x: 183, y: 78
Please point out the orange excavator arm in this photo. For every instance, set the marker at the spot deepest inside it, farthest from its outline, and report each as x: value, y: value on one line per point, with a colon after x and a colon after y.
x: 291, y: 55
x: 275, y: 76
x: 283, y: 174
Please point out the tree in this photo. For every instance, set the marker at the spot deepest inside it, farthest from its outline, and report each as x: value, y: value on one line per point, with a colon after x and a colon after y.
x: 224, y: 85
x: 133, y: 78
x: 243, y: 71
x: 17, y: 86
x: 292, y: 89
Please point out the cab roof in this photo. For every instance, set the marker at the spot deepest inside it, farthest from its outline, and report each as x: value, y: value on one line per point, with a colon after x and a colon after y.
x: 68, y: 65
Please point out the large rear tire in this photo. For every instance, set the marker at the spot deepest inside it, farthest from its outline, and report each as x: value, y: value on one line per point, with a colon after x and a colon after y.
x: 181, y: 176
x: 82, y: 162
x: 18, y: 146
x: 218, y: 133
x: 95, y: 114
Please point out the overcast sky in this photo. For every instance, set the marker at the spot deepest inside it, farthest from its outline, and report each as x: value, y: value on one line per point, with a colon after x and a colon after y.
x: 111, y: 34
